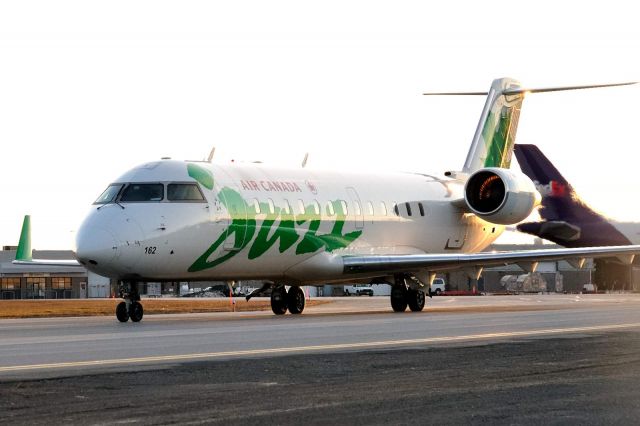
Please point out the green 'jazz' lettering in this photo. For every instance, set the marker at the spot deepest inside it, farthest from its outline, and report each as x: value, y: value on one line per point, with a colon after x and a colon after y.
x: 243, y: 227
x: 285, y: 232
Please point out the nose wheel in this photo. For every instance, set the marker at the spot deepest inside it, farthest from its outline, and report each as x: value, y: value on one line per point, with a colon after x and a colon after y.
x: 131, y: 308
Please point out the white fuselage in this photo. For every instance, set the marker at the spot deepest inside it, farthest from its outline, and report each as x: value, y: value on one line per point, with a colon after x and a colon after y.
x: 286, y: 225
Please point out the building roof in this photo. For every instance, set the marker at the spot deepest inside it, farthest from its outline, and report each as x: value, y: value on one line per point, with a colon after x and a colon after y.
x: 8, y: 256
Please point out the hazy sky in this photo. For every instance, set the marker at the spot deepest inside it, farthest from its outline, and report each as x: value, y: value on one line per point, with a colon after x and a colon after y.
x: 90, y: 89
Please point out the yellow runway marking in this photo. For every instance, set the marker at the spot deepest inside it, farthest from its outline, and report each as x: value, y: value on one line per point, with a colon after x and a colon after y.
x: 299, y: 349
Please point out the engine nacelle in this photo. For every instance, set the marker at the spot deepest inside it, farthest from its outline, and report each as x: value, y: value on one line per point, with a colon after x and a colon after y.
x: 501, y: 196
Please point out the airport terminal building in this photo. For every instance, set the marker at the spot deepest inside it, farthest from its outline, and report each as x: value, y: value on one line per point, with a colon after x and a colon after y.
x: 48, y: 282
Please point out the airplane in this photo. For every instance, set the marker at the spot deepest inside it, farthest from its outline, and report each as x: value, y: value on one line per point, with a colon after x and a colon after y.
x: 570, y: 222
x: 567, y: 219
x: 172, y: 220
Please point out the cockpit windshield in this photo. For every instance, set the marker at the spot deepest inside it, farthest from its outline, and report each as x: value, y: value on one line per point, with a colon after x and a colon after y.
x: 184, y: 192
x: 109, y: 195
x: 140, y: 192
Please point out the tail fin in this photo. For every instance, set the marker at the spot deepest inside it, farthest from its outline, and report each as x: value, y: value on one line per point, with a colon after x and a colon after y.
x: 492, y: 144
x: 568, y: 220
x: 495, y: 135
x: 24, y: 245
x: 559, y: 200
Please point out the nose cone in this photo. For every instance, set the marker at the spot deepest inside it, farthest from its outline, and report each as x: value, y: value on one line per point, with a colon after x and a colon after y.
x: 95, y: 248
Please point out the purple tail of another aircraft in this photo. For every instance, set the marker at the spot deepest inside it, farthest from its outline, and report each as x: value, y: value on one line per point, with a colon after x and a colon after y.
x: 567, y: 220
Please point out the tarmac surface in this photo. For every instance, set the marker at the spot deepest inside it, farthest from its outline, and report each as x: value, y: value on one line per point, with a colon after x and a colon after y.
x: 497, y: 359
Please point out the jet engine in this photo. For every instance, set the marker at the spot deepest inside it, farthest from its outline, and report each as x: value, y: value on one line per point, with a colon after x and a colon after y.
x: 500, y: 196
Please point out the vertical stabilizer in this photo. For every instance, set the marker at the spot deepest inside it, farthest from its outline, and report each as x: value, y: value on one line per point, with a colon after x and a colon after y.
x: 492, y: 144
x: 493, y: 141
x: 568, y: 220
x: 24, y: 245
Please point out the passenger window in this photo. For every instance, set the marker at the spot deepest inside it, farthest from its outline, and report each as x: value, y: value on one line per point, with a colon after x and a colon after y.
x: 141, y: 192
x: 256, y: 205
x: 272, y: 207
x: 396, y: 211
x: 316, y: 206
x: 287, y: 207
x: 330, y: 209
x: 408, y: 208
x: 421, y: 208
x: 370, y: 207
x: 301, y: 207
x: 383, y: 208
x: 356, y: 206
x: 345, y: 210
x: 109, y: 194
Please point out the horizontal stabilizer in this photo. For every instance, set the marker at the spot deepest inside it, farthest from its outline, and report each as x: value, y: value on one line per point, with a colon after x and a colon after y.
x: 551, y: 230
x: 563, y: 88
x: 521, y: 90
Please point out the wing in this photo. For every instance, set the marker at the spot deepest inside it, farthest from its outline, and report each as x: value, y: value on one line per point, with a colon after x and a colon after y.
x: 527, y: 259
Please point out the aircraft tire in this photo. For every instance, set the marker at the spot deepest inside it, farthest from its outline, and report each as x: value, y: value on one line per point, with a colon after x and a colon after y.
x: 399, y: 298
x: 279, y: 300
x: 121, y: 312
x: 136, y: 312
x: 415, y: 300
x: 295, y: 300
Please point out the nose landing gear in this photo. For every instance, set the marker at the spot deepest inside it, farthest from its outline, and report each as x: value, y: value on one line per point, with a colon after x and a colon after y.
x: 131, y: 308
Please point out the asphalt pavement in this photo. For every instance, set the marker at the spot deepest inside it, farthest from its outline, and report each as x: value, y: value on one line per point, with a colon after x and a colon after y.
x: 484, y: 360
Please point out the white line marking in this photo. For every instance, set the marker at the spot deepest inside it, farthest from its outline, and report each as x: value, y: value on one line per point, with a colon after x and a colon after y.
x: 299, y: 349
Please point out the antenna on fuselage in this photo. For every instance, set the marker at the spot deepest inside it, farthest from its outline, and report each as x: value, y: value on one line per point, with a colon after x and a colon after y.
x: 304, y: 162
x: 213, y: 151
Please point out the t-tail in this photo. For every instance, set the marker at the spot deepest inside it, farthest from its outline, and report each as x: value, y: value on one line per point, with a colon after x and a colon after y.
x: 493, y: 141
x: 568, y: 220
x: 492, y: 144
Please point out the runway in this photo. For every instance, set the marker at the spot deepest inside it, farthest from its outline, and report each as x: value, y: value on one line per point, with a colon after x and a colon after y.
x: 178, y: 360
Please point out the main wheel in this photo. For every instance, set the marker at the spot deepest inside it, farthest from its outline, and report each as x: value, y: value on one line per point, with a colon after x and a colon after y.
x: 399, y: 298
x: 121, y: 312
x: 279, y: 300
x: 415, y: 299
x: 135, y: 311
x: 295, y: 300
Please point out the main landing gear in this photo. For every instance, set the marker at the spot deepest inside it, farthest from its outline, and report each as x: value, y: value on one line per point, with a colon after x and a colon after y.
x: 131, y: 308
x: 403, y: 295
x: 281, y: 300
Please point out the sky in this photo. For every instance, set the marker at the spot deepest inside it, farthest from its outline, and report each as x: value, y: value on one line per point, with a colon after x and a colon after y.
x: 90, y: 89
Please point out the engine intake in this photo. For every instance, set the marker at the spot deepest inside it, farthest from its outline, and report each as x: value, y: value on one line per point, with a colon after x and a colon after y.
x: 500, y: 196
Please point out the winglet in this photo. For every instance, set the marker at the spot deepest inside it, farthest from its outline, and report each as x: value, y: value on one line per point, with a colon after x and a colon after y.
x: 24, y: 246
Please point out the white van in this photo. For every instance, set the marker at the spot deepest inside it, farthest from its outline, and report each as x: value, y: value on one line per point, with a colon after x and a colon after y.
x: 437, y: 286
x: 358, y: 290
